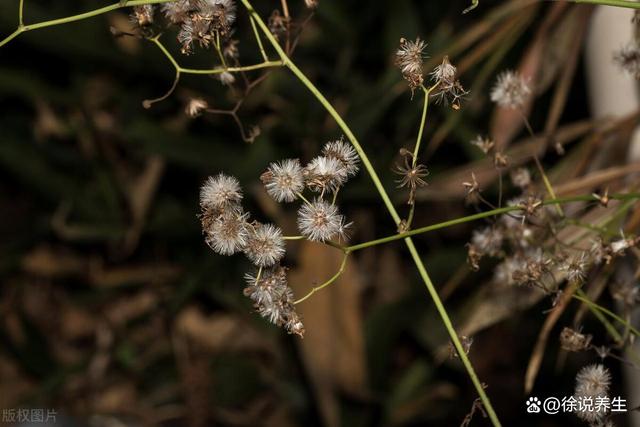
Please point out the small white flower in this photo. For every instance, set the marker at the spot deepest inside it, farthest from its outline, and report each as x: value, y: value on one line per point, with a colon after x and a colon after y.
x: 320, y: 221
x: 265, y: 245
x: 284, y: 180
x: 220, y: 192
x: 510, y: 90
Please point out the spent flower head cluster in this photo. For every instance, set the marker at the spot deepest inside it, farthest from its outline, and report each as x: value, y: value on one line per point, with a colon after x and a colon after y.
x: 229, y: 230
x: 199, y: 22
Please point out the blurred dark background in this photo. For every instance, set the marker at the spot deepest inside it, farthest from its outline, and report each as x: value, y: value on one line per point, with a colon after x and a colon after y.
x: 115, y: 312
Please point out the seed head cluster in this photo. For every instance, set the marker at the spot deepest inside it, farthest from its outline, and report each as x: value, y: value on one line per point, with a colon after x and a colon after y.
x: 199, y: 22
x: 228, y: 229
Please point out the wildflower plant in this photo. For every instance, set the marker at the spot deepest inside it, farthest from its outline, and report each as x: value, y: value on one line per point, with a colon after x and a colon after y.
x: 521, y: 236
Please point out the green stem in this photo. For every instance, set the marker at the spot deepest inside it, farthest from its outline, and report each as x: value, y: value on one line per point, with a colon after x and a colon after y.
x: 389, y: 205
x: 609, y: 313
x: 78, y: 17
x: 481, y: 215
x: 217, y: 70
x: 328, y: 282
x: 258, y: 39
x: 20, y: 14
x: 432, y: 227
x: 416, y: 150
x: 423, y: 120
x: 618, y: 3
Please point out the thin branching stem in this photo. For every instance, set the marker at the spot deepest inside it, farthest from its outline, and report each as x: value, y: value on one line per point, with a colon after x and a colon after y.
x: 21, y: 14
x: 487, y: 214
x: 217, y: 70
x: 258, y: 39
x: 619, y: 3
x: 423, y: 120
x: 328, y: 282
x: 453, y: 335
x: 609, y: 313
x: 416, y: 149
x: 543, y: 175
x: 78, y: 17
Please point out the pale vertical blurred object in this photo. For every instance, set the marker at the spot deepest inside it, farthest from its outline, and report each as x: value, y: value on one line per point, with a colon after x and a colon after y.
x: 613, y: 92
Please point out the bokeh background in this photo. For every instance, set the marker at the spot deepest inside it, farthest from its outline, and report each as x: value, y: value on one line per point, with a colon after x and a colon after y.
x: 114, y: 311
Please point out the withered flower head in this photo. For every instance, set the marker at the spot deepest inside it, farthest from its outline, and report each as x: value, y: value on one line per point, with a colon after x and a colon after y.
x: 265, y: 245
x: 409, y: 58
x: 521, y: 178
x: 592, y: 382
x: 572, y: 340
x: 411, y: 176
x: 273, y: 299
x: 324, y: 174
x: 511, y: 90
x: 142, y: 16
x: 448, y: 90
x: 284, y: 180
x: 220, y: 192
x: 195, y: 106
x: 628, y: 58
x: 484, y: 144
x: 344, y: 153
x: 320, y: 221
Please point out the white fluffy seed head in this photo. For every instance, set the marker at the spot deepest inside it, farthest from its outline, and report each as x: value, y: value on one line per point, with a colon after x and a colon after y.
x: 344, y: 153
x: 177, y: 11
x: 265, y: 245
x: 222, y: 10
x: 325, y: 174
x: 284, y: 180
x: 228, y: 233
x: 220, y: 192
x: 320, y: 221
x: 511, y: 90
x: 592, y: 382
